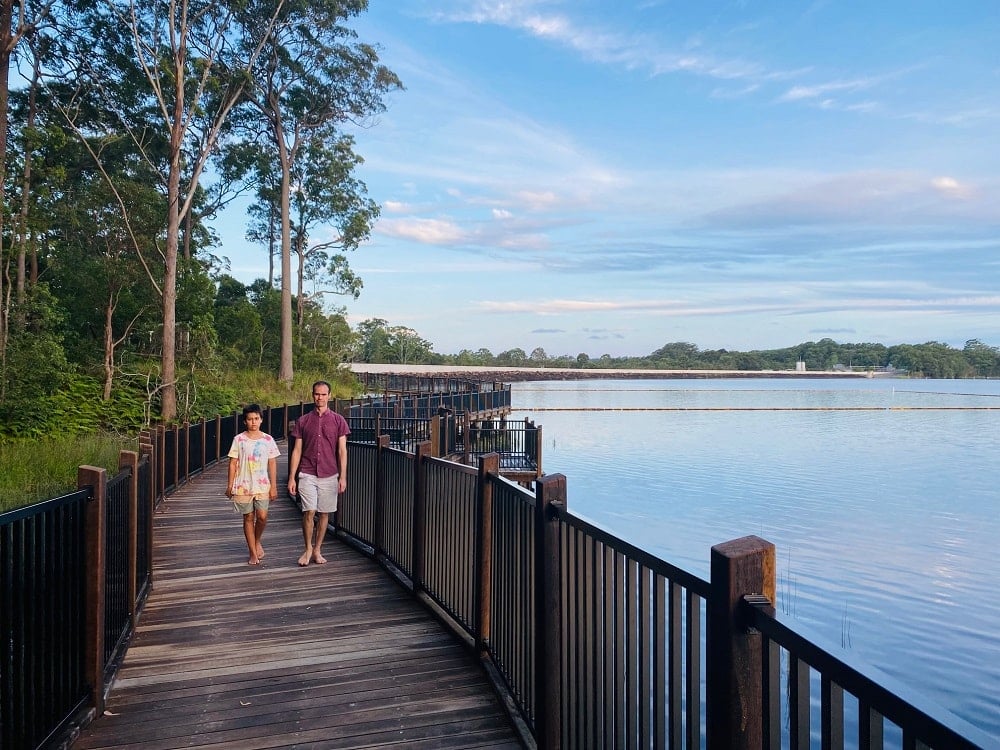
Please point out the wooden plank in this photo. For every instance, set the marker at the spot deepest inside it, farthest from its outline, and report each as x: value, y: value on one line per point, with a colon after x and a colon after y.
x: 229, y: 655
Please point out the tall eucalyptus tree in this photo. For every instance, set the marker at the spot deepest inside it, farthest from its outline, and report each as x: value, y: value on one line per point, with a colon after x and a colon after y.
x: 312, y: 76
x: 174, y: 69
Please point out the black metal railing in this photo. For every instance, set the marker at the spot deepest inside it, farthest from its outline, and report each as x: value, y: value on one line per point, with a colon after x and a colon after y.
x: 632, y: 644
x: 396, y: 532
x: 404, y: 433
x: 803, y: 679
x: 117, y: 604
x: 513, y: 635
x: 42, y: 618
x: 450, y: 505
x: 517, y: 443
x: 144, y: 529
x: 75, y: 571
x: 597, y: 643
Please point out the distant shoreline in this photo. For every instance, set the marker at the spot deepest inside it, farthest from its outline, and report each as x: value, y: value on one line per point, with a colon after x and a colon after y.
x: 514, y: 374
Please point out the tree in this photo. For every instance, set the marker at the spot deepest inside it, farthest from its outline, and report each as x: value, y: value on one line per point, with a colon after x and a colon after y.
x: 13, y: 30
x: 195, y: 58
x: 310, y: 78
x: 406, y: 346
x: 985, y: 359
x: 372, y: 341
x: 512, y: 357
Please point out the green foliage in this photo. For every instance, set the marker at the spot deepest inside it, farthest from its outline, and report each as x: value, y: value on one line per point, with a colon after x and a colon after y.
x: 76, y: 408
x: 41, y: 468
x: 34, y: 367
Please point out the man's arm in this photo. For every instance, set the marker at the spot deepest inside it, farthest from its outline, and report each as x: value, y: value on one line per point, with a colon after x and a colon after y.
x: 232, y: 477
x: 342, y: 462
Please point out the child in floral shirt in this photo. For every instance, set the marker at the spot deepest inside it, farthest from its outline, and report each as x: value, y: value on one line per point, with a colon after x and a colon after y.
x: 252, y: 482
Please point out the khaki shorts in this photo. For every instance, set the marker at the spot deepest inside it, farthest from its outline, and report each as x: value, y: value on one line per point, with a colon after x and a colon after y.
x: 316, y: 494
x: 246, y: 504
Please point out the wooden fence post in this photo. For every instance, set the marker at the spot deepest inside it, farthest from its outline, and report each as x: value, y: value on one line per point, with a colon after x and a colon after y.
x: 549, y: 491
x: 420, y: 452
x: 488, y: 465
x: 734, y: 696
x: 92, y: 476
x: 435, y: 436
x: 129, y: 460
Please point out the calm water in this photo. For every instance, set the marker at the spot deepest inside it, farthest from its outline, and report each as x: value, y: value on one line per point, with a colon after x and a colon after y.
x: 886, y: 520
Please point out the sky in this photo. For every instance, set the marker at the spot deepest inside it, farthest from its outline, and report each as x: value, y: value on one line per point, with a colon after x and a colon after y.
x: 605, y: 177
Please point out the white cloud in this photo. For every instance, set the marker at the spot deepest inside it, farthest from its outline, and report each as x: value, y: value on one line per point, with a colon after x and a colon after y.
x: 429, y: 231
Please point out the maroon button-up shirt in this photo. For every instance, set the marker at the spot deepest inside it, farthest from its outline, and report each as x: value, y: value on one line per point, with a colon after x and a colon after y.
x: 319, y: 435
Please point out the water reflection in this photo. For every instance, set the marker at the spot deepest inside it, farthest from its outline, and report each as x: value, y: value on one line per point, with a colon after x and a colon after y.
x: 879, y: 495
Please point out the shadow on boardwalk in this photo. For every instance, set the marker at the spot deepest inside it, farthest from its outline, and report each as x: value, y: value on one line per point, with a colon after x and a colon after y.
x: 229, y: 655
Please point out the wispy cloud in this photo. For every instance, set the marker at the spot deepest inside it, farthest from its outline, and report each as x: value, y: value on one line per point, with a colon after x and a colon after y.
x: 604, y: 45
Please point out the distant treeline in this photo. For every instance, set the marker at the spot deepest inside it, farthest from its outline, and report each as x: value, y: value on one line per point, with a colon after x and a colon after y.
x: 929, y: 360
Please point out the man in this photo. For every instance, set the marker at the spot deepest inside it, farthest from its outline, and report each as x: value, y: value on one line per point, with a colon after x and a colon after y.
x: 317, y: 469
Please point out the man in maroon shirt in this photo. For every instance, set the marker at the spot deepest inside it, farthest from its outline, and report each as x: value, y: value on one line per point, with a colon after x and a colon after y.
x: 317, y: 469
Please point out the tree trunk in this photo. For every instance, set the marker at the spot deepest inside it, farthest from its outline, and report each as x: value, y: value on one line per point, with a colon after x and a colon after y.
x: 109, y: 348
x: 22, y: 233
x: 285, y: 371
x: 168, y: 358
x: 6, y: 48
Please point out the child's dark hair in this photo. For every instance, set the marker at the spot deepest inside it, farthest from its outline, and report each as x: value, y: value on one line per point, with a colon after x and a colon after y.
x: 252, y: 409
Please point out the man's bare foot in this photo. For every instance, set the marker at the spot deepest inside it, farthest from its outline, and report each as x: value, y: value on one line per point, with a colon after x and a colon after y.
x: 319, y: 559
x: 304, y: 560
x: 254, y: 560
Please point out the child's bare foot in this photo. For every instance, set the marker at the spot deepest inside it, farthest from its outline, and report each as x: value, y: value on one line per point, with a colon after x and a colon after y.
x: 304, y: 560
x: 319, y: 559
x: 254, y: 560
x: 260, y: 552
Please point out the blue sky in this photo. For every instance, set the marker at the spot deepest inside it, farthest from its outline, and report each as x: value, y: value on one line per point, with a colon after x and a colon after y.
x: 606, y: 178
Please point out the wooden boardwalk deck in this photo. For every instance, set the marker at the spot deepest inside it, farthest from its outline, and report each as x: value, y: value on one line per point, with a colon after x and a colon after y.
x: 227, y: 655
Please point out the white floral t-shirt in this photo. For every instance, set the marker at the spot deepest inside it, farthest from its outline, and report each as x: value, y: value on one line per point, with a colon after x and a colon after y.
x: 252, y: 455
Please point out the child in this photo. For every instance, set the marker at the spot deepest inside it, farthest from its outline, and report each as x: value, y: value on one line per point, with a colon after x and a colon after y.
x: 252, y: 483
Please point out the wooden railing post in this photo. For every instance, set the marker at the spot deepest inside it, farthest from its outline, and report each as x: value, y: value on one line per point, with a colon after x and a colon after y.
x: 488, y: 465
x: 421, y: 451
x: 92, y: 476
x: 549, y: 491
x: 218, y: 436
x: 435, y: 436
x: 734, y: 696
x: 129, y: 460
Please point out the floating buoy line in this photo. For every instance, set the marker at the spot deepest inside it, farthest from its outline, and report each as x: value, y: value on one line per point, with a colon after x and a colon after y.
x: 754, y: 408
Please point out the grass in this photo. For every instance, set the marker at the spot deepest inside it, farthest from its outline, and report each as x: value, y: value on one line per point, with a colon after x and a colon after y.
x: 37, y: 469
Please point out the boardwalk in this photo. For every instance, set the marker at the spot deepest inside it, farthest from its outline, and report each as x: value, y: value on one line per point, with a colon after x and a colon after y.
x: 330, y: 656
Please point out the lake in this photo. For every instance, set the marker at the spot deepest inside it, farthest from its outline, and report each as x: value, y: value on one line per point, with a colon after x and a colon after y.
x: 881, y: 496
